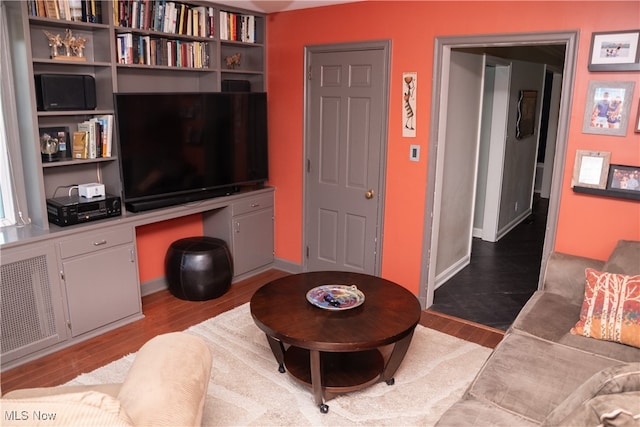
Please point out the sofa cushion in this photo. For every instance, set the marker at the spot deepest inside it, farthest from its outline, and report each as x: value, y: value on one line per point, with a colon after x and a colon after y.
x: 530, y: 376
x: 476, y: 412
x: 550, y: 316
x: 84, y: 409
x: 625, y: 258
x: 611, y: 391
x: 564, y: 275
x: 168, y: 381
x: 611, y: 308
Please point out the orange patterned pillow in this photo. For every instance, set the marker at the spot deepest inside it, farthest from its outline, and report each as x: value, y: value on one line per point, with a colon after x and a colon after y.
x: 611, y: 308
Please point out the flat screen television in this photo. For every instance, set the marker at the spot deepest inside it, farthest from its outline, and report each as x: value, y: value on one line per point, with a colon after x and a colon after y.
x: 182, y: 147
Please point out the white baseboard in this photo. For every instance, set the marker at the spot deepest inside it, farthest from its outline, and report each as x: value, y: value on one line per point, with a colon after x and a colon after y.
x: 454, y: 269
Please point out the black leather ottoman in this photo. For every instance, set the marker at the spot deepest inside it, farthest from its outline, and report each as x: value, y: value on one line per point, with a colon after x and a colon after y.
x: 198, y: 268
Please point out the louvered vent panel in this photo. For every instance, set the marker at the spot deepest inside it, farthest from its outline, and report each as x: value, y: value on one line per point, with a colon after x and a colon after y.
x: 27, y: 311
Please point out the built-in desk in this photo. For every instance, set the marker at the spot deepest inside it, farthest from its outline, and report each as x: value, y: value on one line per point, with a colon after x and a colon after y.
x: 66, y: 284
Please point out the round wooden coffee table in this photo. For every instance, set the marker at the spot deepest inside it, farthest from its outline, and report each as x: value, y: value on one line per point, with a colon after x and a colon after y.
x: 336, y: 351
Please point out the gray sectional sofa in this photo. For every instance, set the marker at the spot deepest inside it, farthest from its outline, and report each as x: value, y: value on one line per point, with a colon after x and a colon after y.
x: 541, y: 374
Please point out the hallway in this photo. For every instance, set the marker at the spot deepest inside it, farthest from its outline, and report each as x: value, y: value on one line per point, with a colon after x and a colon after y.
x: 501, y: 277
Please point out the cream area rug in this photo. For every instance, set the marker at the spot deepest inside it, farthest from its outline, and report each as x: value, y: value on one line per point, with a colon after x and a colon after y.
x: 246, y: 388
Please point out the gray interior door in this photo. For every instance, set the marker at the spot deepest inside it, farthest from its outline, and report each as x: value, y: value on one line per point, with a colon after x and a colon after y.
x: 345, y: 139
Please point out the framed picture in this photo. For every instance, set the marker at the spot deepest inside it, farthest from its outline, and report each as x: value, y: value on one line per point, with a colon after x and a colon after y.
x: 615, y: 51
x: 591, y: 169
x: 54, y: 143
x: 624, y: 178
x: 409, y: 85
x: 525, y: 120
x: 608, y: 107
x: 637, y: 126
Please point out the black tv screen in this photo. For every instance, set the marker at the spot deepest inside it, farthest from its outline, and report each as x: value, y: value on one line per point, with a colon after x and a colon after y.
x: 180, y: 147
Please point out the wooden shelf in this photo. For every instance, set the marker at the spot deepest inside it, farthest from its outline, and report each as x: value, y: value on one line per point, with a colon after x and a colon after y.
x: 618, y: 194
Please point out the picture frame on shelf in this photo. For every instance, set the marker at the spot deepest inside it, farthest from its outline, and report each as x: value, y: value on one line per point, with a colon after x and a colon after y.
x: 54, y: 143
x: 607, y: 107
x: 591, y: 169
x: 624, y: 178
x: 615, y: 51
x: 526, y: 114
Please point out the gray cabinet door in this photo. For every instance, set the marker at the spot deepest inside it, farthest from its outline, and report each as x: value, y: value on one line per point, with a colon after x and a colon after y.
x: 31, y: 311
x: 101, y: 288
x: 252, y: 240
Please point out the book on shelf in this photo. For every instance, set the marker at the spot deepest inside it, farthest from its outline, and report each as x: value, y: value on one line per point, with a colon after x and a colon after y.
x: 149, y: 50
x: 80, y: 145
x: 237, y: 27
x: 99, y: 136
x: 165, y: 16
x: 90, y: 129
x: 67, y: 10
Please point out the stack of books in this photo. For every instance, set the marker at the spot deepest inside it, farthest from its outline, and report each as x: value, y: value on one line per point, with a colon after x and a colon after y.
x: 148, y: 50
x: 93, y: 139
x: 68, y: 10
x: 237, y: 27
x: 165, y: 17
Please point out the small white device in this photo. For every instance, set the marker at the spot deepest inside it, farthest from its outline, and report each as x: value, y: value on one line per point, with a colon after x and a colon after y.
x: 91, y: 190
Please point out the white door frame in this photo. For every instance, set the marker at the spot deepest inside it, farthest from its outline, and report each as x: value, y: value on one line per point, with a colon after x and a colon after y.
x: 442, y: 52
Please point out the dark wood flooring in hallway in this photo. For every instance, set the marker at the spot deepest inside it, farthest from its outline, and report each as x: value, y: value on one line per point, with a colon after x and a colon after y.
x: 501, y: 276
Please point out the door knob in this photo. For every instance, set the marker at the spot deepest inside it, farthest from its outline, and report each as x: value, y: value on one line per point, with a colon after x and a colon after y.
x: 369, y: 194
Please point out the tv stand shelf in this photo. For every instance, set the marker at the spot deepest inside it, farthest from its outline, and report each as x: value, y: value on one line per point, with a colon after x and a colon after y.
x: 100, y: 258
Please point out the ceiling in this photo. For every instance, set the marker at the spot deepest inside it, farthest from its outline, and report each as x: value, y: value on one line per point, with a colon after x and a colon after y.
x: 271, y: 6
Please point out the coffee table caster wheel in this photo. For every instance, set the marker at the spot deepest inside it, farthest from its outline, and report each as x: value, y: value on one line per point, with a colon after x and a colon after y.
x: 324, y: 408
x: 281, y: 368
x: 391, y: 381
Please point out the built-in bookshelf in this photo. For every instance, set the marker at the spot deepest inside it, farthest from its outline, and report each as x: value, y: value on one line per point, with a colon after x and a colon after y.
x: 124, y: 46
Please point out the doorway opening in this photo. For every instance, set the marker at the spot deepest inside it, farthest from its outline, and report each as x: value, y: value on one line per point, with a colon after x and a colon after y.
x: 543, y: 211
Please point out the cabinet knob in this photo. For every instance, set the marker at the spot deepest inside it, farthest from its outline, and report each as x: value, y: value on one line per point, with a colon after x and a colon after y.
x: 100, y: 243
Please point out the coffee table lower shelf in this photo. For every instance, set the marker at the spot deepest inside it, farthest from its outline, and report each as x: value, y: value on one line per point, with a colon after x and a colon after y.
x: 340, y: 372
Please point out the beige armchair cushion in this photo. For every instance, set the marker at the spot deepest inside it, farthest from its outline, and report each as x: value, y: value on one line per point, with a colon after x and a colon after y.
x: 86, y: 409
x: 167, y: 384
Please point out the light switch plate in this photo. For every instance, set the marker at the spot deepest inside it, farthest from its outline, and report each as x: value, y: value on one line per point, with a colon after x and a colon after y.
x: 414, y: 152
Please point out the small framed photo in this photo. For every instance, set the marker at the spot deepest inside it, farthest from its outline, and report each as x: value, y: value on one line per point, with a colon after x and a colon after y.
x: 526, y: 114
x: 615, y: 51
x: 54, y: 143
x: 624, y: 178
x: 608, y: 107
x: 591, y: 169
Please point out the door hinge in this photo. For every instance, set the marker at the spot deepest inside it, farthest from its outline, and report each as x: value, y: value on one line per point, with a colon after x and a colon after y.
x: 310, y: 74
x: 308, y: 165
x: 307, y: 251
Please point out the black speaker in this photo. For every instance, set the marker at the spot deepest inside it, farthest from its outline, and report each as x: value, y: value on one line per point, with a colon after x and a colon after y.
x: 56, y: 92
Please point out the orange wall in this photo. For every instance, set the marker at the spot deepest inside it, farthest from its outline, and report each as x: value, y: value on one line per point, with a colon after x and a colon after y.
x: 588, y: 225
x: 153, y: 240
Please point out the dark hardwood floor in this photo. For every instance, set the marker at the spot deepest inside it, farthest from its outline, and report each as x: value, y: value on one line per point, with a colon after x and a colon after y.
x: 501, y: 277
x: 165, y: 313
